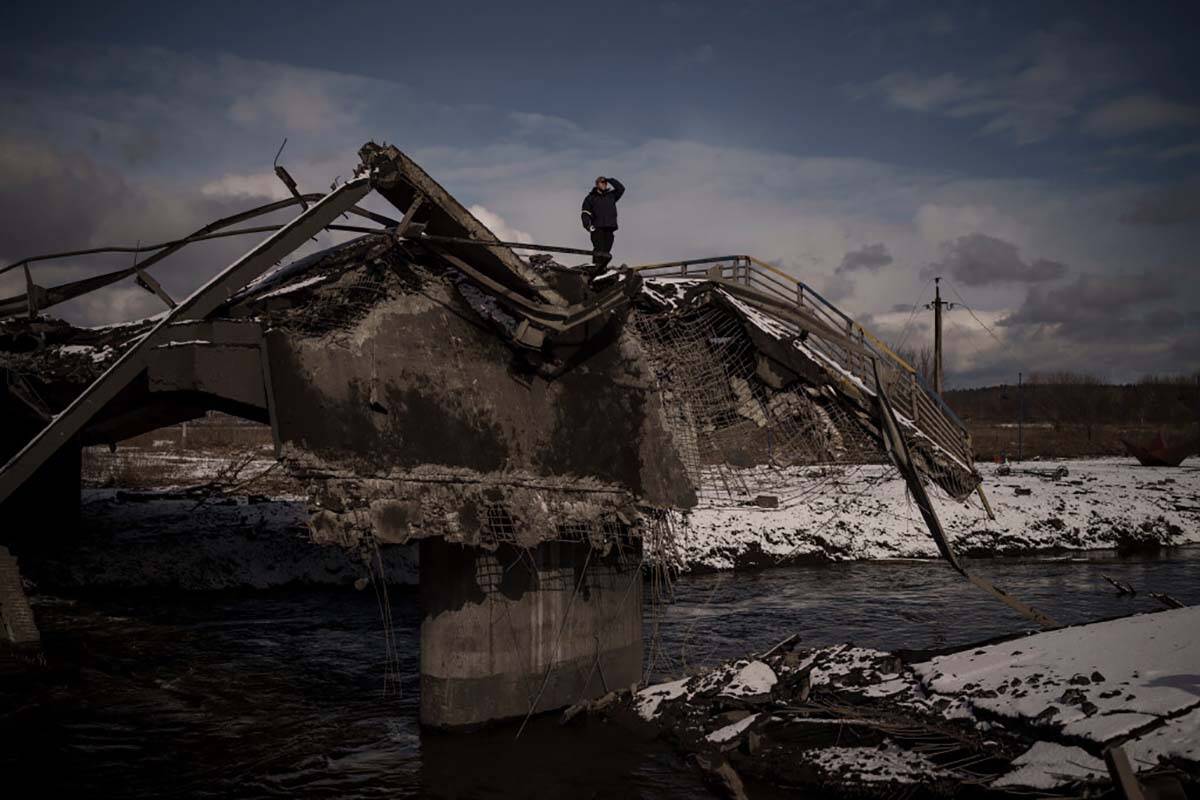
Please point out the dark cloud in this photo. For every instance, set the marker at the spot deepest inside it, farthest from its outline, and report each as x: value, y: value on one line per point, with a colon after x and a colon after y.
x: 1185, y: 350
x: 1027, y: 95
x: 1118, y: 326
x: 46, y: 196
x: 1167, y: 205
x: 871, y: 257
x: 912, y: 332
x: 1138, y: 113
x: 982, y: 260
x: 837, y: 287
x: 1098, y: 308
x: 55, y: 200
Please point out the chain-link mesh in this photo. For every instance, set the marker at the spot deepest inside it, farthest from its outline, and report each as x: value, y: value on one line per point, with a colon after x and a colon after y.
x: 739, y: 438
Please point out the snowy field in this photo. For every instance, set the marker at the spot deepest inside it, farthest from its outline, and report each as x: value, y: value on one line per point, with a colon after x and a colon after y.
x: 865, y: 513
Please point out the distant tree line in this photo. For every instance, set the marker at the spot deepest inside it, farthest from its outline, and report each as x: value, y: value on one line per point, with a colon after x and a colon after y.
x: 1075, y: 398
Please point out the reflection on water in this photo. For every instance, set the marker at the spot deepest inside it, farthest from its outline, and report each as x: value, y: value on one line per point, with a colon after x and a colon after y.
x: 282, y: 693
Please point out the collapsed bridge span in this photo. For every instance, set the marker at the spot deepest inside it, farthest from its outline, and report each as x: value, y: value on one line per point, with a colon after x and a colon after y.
x: 533, y: 426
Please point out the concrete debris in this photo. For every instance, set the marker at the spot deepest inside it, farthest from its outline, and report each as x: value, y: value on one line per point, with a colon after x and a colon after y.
x: 1158, y: 453
x: 1036, y: 712
x: 1050, y: 474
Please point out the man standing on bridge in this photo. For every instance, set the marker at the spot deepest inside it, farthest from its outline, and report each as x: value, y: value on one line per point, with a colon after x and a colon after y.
x: 600, y: 217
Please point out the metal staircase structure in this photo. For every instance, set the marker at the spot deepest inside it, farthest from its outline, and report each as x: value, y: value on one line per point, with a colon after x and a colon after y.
x: 855, y: 350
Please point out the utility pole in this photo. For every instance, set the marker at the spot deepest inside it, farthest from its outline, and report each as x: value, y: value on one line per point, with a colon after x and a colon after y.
x: 937, y: 305
x: 1020, y: 414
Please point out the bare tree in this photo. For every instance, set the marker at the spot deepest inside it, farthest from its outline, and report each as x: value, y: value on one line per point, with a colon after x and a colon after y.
x: 920, y: 360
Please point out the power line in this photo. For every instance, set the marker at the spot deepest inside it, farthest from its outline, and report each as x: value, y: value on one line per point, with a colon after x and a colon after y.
x: 991, y: 333
x: 915, y: 306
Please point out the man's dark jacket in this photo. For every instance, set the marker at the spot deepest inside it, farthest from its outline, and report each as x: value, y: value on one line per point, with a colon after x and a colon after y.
x: 600, y: 208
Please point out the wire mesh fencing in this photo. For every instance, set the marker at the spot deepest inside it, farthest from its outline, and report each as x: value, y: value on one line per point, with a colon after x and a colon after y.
x: 741, y: 440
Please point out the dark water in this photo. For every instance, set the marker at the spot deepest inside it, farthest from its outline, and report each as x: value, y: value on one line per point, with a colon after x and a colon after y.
x: 282, y: 693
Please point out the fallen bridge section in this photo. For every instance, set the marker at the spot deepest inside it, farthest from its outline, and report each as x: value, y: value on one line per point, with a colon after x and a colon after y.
x: 764, y: 380
x: 428, y: 385
x: 132, y: 361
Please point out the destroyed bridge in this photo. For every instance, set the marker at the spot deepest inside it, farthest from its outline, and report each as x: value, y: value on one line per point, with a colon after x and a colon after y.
x: 537, y: 428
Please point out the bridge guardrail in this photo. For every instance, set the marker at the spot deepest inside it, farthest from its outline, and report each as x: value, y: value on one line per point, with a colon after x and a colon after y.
x: 908, y: 390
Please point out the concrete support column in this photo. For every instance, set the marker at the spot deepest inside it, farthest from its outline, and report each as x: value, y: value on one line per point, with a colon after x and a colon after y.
x: 506, y: 631
x: 16, y: 617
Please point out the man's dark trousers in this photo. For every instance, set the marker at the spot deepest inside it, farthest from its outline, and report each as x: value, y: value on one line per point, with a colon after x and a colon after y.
x: 602, y: 242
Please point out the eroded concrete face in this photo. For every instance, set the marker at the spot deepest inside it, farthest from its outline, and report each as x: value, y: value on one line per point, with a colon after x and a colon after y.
x: 513, y: 632
x: 419, y: 421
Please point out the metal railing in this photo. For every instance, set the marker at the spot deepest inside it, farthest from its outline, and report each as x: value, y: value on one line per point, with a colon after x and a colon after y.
x: 909, y: 393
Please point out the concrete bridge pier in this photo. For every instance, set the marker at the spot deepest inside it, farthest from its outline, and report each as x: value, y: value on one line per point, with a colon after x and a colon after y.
x: 16, y: 617
x: 42, y: 513
x: 514, y: 630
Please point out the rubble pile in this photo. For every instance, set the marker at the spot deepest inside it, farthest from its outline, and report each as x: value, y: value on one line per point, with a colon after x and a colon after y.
x: 1031, y: 713
x: 48, y: 361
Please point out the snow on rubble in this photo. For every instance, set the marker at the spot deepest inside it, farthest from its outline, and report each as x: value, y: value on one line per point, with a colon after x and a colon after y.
x: 1098, y: 683
x: 875, y: 764
x: 1047, y: 765
x: 753, y: 679
x: 865, y: 513
x: 1028, y: 713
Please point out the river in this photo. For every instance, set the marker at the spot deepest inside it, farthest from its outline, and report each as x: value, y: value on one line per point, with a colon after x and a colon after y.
x: 255, y: 694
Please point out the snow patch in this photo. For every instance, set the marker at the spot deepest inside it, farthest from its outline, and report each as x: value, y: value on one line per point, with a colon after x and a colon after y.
x: 731, y: 731
x: 650, y: 698
x: 864, y: 513
x: 295, y: 287
x: 1177, y: 738
x: 887, y: 763
x: 1047, y: 765
x: 753, y: 679
x: 1099, y: 682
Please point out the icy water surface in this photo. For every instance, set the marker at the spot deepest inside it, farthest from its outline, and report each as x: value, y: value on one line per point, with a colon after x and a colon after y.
x: 282, y: 693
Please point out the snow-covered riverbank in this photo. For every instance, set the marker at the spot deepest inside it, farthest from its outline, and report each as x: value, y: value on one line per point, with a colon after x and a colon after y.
x: 1027, y: 713
x: 164, y: 538
x: 865, y: 513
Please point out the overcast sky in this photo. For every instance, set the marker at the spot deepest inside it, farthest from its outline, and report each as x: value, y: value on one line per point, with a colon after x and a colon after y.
x: 1043, y: 157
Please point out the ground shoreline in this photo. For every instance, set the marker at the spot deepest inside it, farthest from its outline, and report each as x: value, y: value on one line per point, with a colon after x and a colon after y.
x: 1100, y: 504
x: 157, y: 537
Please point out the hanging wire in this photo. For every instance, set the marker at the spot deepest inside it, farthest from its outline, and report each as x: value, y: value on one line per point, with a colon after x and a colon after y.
x: 981, y: 323
x: 904, y: 333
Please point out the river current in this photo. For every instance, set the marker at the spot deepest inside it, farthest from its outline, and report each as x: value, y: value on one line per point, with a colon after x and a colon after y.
x: 282, y: 693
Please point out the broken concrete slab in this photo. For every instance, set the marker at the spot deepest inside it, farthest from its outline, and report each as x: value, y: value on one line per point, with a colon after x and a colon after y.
x: 1005, y: 715
x: 399, y: 179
